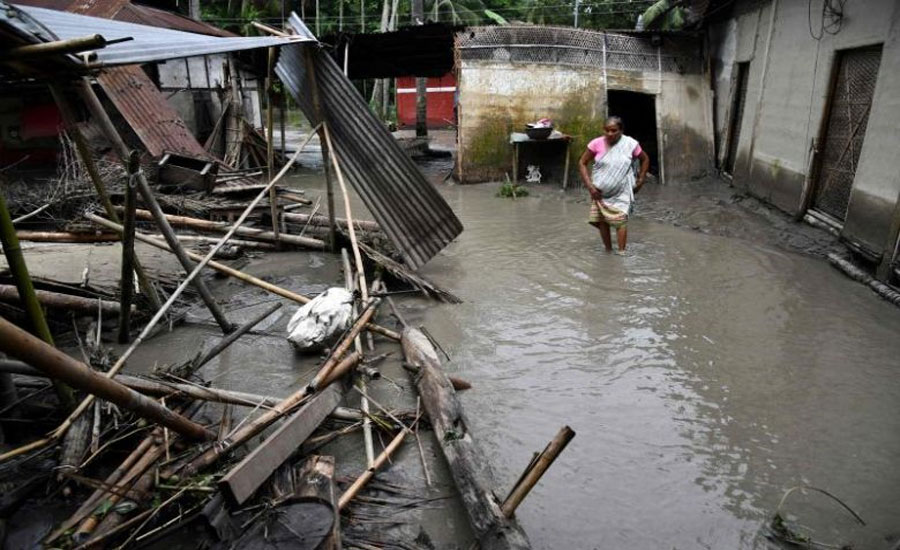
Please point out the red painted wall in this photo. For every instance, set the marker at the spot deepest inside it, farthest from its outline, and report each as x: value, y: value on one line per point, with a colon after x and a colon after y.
x: 441, y: 94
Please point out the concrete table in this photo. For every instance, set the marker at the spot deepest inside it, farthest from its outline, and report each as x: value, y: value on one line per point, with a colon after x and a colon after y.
x: 556, y: 138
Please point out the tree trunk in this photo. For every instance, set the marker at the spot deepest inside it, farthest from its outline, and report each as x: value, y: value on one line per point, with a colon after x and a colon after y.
x: 466, y: 461
x: 418, y: 14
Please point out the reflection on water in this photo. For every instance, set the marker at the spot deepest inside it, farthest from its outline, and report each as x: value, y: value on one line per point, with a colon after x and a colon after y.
x: 704, y: 377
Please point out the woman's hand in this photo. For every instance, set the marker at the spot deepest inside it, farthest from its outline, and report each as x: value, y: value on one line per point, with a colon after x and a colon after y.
x: 596, y: 195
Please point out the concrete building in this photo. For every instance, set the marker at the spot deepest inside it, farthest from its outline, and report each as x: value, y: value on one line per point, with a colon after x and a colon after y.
x: 512, y: 75
x: 807, y: 113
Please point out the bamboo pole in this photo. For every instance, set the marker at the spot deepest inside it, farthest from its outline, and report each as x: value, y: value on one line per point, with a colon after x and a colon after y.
x: 362, y: 225
x: 230, y: 271
x: 161, y: 388
x: 63, y: 237
x: 102, y: 118
x: 84, y: 153
x: 231, y: 338
x: 87, y: 306
x: 127, y: 277
x: 534, y: 472
x: 56, y: 47
x: 360, y: 382
x: 19, y: 270
x: 360, y: 269
x: 111, y: 480
x: 20, y: 344
x: 147, y: 329
x: 243, y: 434
x: 219, y: 227
x: 361, y: 481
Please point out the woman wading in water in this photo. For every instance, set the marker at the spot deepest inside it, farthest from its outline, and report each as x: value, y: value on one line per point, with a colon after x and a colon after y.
x: 612, y: 183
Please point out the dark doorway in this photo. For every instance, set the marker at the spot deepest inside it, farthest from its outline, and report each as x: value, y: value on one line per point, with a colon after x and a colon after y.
x: 737, y: 117
x: 638, y: 111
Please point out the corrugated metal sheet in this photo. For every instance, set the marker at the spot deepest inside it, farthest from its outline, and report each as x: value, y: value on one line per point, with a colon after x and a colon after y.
x: 149, y: 43
x: 124, y: 10
x: 409, y: 209
x: 148, y: 113
x: 95, y: 8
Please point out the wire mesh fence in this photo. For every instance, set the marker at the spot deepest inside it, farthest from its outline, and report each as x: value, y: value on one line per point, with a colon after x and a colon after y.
x: 575, y: 47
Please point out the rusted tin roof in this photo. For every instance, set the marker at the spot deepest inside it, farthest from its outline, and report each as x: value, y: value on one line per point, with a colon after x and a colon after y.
x: 148, y: 113
x: 412, y: 213
x: 145, y: 15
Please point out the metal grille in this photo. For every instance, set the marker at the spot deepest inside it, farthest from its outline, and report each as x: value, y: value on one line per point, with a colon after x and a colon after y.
x: 848, y: 116
x: 567, y: 46
x: 737, y: 116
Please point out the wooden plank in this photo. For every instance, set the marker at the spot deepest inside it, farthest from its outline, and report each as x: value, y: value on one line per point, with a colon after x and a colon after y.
x: 243, y: 480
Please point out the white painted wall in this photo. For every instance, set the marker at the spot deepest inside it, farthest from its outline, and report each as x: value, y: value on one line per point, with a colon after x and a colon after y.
x: 786, y: 106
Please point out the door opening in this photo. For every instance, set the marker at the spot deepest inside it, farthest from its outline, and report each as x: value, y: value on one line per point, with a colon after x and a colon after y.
x: 737, y: 117
x: 638, y: 112
x: 855, y: 74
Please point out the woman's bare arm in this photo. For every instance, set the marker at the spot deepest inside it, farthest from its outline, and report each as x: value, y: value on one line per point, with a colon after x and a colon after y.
x: 642, y: 173
x: 586, y: 159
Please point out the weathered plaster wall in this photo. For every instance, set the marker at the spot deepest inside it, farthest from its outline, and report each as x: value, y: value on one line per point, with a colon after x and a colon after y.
x: 499, y: 97
x: 788, y: 86
x: 496, y: 98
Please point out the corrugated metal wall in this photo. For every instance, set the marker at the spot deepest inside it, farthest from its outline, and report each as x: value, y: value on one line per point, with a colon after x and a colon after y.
x: 148, y: 113
x: 408, y: 207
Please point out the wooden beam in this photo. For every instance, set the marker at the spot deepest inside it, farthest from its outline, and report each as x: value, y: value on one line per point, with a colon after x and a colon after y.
x: 467, y: 463
x: 241, y: 482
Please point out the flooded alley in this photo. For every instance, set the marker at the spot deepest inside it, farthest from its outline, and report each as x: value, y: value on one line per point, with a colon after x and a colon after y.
x: 704, y: 375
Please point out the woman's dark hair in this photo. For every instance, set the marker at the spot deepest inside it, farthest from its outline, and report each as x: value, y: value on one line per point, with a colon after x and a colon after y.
x: 615, y: 120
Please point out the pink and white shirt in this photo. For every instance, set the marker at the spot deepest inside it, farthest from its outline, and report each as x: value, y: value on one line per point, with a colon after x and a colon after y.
x: 598, y: 146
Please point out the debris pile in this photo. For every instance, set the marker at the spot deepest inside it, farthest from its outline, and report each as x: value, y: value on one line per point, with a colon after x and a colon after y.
x: 130, y: 460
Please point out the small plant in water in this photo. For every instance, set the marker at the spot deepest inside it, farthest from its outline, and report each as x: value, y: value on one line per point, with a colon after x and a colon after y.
x: 513, y: 190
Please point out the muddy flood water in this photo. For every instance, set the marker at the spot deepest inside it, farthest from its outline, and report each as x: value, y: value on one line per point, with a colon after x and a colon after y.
x: 706, y: 373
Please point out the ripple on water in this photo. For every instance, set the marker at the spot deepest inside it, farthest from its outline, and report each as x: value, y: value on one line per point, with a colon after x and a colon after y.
x: 703, y: 376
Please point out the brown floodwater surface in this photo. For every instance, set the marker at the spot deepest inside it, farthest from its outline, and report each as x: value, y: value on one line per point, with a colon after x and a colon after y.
x: 704, y: 375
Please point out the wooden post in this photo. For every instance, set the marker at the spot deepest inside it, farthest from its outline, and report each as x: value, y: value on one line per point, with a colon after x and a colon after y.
x: 84, y: 153
x: 535, y: 470
x: 102, y: 118
x: 127, y: 276
x: 19, y: 271
x: 323, y: 141
x: 18, y: 343
x: 270, y: 145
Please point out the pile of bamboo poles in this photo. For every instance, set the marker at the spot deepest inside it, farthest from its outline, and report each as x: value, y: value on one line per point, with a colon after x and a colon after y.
x: 197, y: 470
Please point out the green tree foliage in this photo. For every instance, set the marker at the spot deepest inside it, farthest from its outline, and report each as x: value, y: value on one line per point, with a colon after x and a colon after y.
x: 236, y: 15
